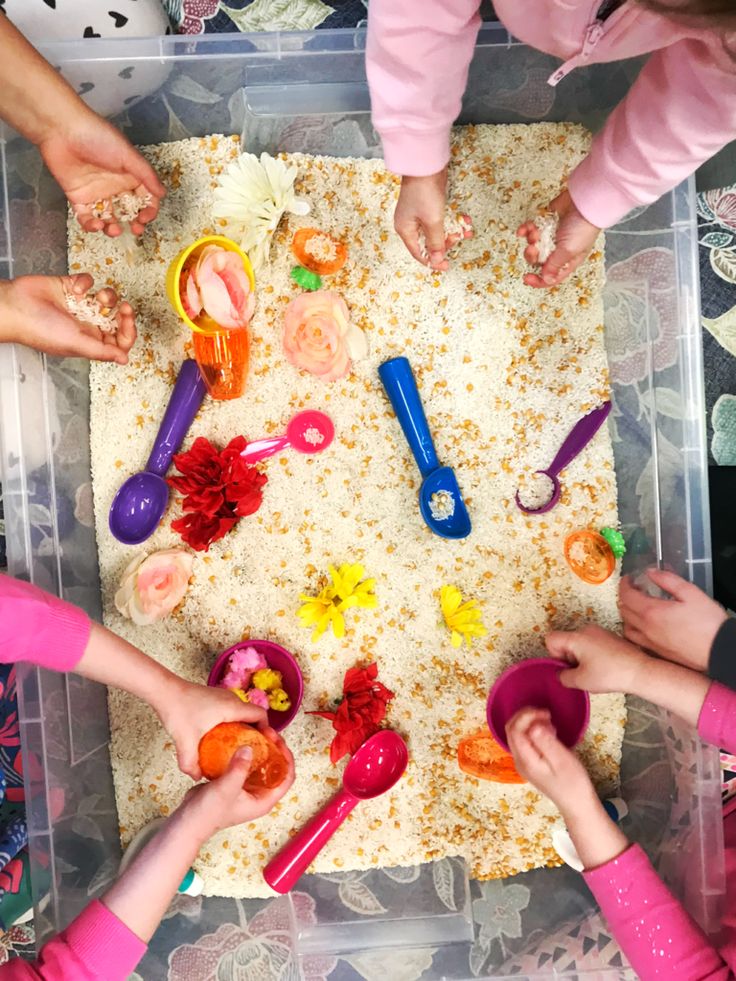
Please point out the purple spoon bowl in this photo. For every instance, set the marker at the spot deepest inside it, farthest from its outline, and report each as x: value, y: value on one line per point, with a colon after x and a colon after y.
x: 279, y: 659
x: 535, y: 683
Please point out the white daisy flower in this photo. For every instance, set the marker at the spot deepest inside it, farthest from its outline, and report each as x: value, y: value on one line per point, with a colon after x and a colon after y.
x: 252, y: 195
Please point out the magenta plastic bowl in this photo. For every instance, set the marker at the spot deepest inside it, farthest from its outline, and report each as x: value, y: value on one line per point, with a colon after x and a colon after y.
x: 280, y: 660
x: 536, y: 683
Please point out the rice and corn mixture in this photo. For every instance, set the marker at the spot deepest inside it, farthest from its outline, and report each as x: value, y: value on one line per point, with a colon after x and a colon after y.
x: 504, y: 372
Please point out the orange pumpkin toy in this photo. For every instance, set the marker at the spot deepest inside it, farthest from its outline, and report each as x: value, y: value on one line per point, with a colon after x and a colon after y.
x: 318, y: 251
x: 482, y: 757
x: 218, y: 746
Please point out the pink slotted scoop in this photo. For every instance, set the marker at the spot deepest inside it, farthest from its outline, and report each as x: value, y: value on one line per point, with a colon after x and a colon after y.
x: 308, y: 432
x: 374, y: 769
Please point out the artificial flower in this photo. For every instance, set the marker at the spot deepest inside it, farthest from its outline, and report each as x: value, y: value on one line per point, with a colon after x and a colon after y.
x: 266, y: 679
x: 279, y: 700
x: 348, y: 589
x: 360, y: 712
x: 217, y: 286
x: 319, y: 252
x: 257, y: 697
x: 252, y: 196
x: 481, y: 756
x: 319, y: 335
x: 219, y: 488
x: 242, y: 664
x: 463, y: 620
x: 153, y: 585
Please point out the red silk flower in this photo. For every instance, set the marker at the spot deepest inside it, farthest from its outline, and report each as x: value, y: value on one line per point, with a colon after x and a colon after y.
x: 219, y: 488
x: 360, y: 713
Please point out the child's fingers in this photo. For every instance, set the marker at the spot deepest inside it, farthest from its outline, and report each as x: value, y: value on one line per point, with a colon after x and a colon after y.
x: 529, y: 231
x: 113, y: 229
x: 87, y: 221
x: 106, y: 297
x: 563, y: 645
x: 79, y: 284
x: 634, y: 604
x: 559, y: 265
x: 126, y: 333
x: 409, y: 235
x: 86, y: 346
x: 531, y: 254
x: 534, y: 280
x: 634, y: 635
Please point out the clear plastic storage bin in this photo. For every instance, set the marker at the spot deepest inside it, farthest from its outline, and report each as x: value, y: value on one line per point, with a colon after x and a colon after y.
x: 308, y: 92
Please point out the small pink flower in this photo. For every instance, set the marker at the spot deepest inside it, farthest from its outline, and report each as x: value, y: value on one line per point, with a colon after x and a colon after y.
x: 319, y: 337
x: 241, y: 665
x: 722, y: 205
x: 258, y: 697
x: 218, y: 286
x: 152, y: 586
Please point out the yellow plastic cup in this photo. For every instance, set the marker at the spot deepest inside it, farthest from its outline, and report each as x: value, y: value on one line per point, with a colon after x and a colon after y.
x: 222, y: 355
x: 191, y: 252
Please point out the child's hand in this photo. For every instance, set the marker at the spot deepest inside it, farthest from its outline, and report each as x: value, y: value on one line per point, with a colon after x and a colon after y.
x: 188, y: 711
x: 681, y: 629
x: 421, y: 208
x: 33, y: 312
x: 574, y: 240
x: 92, y: 160
x: 222, y: 803
x: 600, y: 661
x: 545, y: 762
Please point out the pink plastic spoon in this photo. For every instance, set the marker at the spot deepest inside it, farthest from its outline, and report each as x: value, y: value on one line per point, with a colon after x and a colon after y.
x: 308, y: 432
x: 374, y: 769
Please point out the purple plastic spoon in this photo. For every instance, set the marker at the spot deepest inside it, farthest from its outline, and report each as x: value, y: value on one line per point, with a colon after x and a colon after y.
x: 141, y: 501
x: 308, y: 432
x: 580, y: 435
x: 374, y: 769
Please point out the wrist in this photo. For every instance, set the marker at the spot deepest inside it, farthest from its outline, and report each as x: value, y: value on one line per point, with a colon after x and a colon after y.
x: 581, y: 807
x: 6, y: 312
x: 637, y: 679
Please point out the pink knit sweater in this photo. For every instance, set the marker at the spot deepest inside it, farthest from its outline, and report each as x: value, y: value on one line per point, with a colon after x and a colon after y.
x: 679, y: 112
x: 655, y: 932
x: 39, y: 628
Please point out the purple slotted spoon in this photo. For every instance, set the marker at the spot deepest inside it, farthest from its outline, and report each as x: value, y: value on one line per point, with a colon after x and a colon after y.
x: 581, y: 434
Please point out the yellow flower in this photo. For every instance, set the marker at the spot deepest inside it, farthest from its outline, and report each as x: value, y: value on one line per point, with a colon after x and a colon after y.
x: 348, y: 589
x: 267, y: 679
x: 278, y: 700
x: 242, y: 695
x: 462, y: 619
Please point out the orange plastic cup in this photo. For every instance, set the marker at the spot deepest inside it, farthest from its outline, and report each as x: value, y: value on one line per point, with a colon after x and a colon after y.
x: 589, y: 556
x: 222, y: 355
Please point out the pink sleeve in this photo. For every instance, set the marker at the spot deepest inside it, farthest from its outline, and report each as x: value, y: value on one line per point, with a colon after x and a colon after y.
x: 38, y: 627
x: 679, y: 112
x: 417, y: 58
x: 651, y: 927
x: 96, y: 945
x: 717, y: 721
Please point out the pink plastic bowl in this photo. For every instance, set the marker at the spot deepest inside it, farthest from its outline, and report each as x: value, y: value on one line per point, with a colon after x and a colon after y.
x: 536, y: 683
x: 280, y: 660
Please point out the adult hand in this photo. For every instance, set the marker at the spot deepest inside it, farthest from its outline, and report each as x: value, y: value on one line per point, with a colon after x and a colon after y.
x: 188, y: 711
x: 420, y: 214
x: 680, y: 629
x: 92, y: 161
x: 574, y: 240
x: 223, y: 803
x: 599, y: 660
x: 33, y: 312
x: 544, y: 761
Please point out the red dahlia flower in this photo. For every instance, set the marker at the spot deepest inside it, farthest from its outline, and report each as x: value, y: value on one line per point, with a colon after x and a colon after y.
x: 360, y: 713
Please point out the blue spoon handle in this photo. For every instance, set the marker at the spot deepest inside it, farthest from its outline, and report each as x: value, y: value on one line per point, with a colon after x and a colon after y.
x: 401, y: 388
x: 186, y: 398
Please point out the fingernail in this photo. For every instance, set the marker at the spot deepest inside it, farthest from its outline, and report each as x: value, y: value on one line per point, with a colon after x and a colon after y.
x: 245, y: 753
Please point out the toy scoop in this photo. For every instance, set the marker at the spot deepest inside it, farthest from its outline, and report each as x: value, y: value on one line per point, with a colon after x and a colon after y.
x: 141, y: 501
x: 308, y: 432
x: 372, y: 771
x: 440, y: 500
x: 579, y: 437
x: 535, y: 683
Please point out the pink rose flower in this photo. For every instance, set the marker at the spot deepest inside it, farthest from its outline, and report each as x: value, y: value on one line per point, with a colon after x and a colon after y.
x: 152, y: 586
x: 218, y: 285
x: 319, y: 337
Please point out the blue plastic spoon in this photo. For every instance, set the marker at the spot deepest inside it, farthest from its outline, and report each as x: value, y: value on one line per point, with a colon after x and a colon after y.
x: 440, y: 500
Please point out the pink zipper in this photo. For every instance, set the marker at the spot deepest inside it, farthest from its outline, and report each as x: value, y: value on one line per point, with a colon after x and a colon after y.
x: 593, y: 33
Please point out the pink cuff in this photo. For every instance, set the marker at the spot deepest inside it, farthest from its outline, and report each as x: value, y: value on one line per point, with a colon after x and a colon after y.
x: 597, y: 200
x: 717, y: 719
x: 104, y: 943
x: 626, y: 865
x: 70, y: 629
x: 416, y: 154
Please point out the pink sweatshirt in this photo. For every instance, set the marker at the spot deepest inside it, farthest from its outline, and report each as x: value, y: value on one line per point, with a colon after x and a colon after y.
x: 654, y: 931
x: 679, y: 112
x: 97, y: 946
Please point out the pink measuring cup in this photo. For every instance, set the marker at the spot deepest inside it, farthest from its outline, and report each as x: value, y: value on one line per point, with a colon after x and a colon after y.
x: 308, y: 432
x: 374, y: 769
